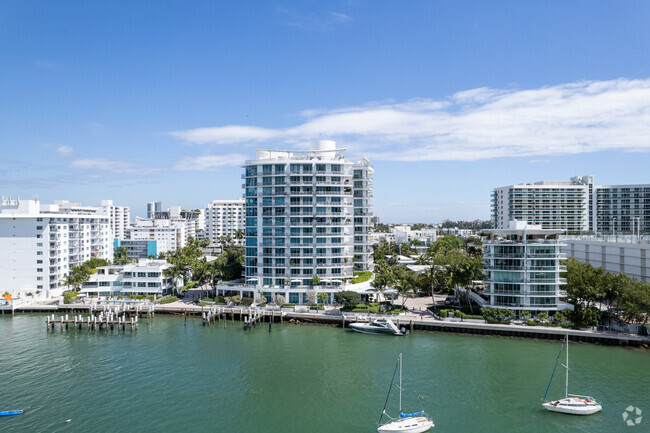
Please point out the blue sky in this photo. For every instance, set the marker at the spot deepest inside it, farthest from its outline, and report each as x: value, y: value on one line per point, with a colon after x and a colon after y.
x: 137, y: 101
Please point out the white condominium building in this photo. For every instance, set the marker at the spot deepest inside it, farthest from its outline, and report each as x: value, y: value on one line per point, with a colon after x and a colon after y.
x: 169, y: 235
x: 146, y: 277
x: 623, y: 209
x: 307, y: 214
x: 575, y: 205
x: 120, y: 218
x: 40, y: 243
x: 193, y: 220
x: 563, y: 205
x: 522, y: 269
x: 225, y: 218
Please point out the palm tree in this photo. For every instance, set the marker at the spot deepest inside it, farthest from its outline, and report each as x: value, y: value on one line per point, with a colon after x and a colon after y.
x: 406, y: 287
x: 239, y: 234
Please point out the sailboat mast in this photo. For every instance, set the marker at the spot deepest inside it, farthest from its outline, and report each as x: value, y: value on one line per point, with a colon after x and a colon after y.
x: 400, y: 384
x: 566, y: 383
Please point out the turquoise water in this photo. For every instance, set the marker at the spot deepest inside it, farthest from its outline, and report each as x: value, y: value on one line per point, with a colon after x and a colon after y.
x: 168, y: 377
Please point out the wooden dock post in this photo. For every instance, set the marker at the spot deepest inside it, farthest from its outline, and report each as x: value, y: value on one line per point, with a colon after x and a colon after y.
x: 411, y: 325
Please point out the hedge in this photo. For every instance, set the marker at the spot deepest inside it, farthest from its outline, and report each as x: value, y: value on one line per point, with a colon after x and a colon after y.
x: 364, y: 276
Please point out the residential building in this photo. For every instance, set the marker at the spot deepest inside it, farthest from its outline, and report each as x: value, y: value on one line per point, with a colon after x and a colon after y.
x: 307, y: 214
x: 420, y: 239
x: 169, y: 235
x: 558, y: 205
x: 192, y: 219
x: 40, y: 243
x: 119, y: 218
x: 522, y: 269
x: 623, y: 209
x: 575, y: 205
x: 146, y: 277
x: 614, y: 253
x: 137, y: 249
x: 225, y: 218
x: 153, y: 207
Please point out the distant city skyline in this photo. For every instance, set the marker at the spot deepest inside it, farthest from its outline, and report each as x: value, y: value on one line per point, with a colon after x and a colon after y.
x: 135, y: 104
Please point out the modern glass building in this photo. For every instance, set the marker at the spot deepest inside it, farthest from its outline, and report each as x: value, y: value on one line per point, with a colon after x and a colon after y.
x: 522, y: 268
x: 307, y: 215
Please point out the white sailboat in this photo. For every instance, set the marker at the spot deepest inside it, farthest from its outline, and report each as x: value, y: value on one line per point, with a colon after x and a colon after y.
x: 417, y: 422
x: 571, y: 403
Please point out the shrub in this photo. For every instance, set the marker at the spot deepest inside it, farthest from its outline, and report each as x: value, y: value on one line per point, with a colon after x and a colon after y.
x: 151, y: 297
x: 279, y: 299
x: 288, y: 305
x: 220, y: 300
x: 315, y: 306
x: 168, y: 300
x: 363, y: 276
x: 443, y: 314
x: 473, y: 316
x: 247, y: 302
x: 70, y: 296
x: 136, y: 296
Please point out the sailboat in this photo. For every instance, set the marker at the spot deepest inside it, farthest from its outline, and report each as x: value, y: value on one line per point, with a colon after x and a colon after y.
x: 571, y: 403
x: 417, y: 422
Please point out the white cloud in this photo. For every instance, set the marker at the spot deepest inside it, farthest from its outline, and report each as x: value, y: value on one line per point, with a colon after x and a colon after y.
x: 109, y: 166
x: 209, y: 162
x: 312, y: 21
x: 473, y: 124
x: 65, y: 150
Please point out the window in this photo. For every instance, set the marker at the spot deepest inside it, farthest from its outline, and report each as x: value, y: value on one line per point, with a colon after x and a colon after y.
x: 39, y: 262
x: 39, y: 269
x: 39, y: 227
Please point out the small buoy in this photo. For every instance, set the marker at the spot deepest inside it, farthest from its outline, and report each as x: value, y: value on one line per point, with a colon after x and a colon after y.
x: 68, y: 420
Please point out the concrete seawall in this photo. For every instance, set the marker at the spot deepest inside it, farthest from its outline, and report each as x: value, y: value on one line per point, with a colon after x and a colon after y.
x: 411, y: 322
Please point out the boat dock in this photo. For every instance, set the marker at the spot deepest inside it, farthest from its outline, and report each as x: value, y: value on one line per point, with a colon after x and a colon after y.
x: 100, y: 316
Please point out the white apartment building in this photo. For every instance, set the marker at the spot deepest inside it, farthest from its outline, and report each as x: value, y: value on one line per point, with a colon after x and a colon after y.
x: 614, y: 253
x: 147, y: 277
x: 558, y: 205
x: 225, y: 218
x: 169, y: 235
x: 40, y: 243
x: 307, y: 214
x: 425, y: 237
x: 575, y: 205
x: 193, y: 220
x: 522, y: 269
x: 119, y: 218
x: 152, y: 207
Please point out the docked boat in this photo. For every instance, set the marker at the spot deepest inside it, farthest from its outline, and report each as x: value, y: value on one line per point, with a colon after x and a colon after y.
x: 572, y: 404
x: 11, y: 412
x: 417, y: 422
x: 379, y: 326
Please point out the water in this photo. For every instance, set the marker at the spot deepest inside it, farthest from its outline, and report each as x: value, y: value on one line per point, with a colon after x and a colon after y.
x: 168, y: 377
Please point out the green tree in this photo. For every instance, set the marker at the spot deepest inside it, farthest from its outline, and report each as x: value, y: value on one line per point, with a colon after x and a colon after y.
x: 77, y: 276
x: 323, y: 297
x: 446, y: 243
x: 120, y: 256
x: 406, y: 286
x: 348, y: 298
x: 315, y: 281
x: 382, y: 281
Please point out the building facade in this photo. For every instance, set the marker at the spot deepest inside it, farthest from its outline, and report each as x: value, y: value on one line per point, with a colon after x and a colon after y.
x: 138, y: 249
x: 555, y: 205
x: 146, y: 277
x: 40, y: 243
x: 225, y: 218
x: 307, y: 215
x: 619, y: 254
x: 623, y: 209
x: 169, y: 235
x: 119, y: 218
x: 522, y: 269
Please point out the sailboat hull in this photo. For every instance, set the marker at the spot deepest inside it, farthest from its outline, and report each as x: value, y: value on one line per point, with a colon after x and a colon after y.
x: 573, y: 406
x: 407, y: 425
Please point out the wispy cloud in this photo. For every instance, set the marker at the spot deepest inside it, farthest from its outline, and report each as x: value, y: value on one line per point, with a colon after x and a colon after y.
x: 97, y: 128
x: 101, y: 166
x: 474, y: 124
x: 312, y: 21
x: 209, y: 162
x: 64, y: 150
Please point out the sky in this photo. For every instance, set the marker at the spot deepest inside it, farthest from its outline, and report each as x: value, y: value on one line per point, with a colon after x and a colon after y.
x: 137, y: 101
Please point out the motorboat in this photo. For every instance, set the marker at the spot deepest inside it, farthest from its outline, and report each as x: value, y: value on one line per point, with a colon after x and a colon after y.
x: 572, y: 404
x: 12, y: 412
x: 417, y: 422
x: 378, y: 326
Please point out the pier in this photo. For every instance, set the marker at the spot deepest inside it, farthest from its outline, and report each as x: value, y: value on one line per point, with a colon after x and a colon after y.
x: 96, y: 317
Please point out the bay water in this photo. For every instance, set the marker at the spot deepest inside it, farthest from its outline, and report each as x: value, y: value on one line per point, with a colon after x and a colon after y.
x: 169, y: 376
